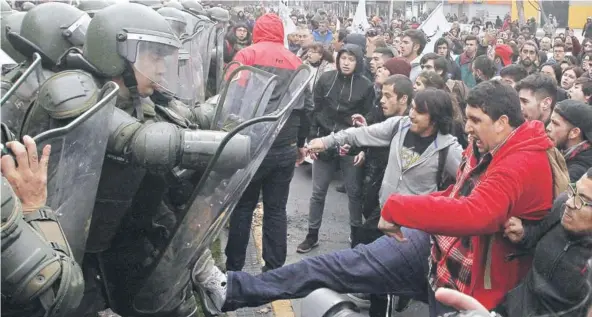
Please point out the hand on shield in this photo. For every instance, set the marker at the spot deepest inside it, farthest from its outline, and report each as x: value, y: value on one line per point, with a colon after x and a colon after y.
x: 28, y: 175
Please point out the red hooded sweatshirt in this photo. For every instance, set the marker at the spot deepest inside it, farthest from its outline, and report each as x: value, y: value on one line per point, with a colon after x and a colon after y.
x: 517, y: 182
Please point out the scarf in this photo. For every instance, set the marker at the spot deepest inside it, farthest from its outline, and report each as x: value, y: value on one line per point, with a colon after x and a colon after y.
x: 576, y: 149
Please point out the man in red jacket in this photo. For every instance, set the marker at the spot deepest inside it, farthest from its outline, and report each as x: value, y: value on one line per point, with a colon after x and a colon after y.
x: 272, y: 179
x: 505, y: 174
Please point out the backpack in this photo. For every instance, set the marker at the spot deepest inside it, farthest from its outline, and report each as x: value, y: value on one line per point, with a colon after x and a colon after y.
x: 443, y: 181
x: 558, y: 171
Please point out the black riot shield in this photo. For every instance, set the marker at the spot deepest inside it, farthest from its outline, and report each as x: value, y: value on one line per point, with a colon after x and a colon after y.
x: 77, y: 151
x: 213, y: 200
x: 18, y: 93
x: 241, y: 99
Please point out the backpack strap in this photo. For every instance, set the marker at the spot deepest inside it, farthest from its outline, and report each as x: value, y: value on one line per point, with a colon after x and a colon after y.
x: 396, y: 129
x: 442, y: 155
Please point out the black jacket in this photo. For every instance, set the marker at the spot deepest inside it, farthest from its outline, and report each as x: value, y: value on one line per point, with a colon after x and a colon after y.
x: 558, y: 278
x: 579, y: 164
x: 337, y: 96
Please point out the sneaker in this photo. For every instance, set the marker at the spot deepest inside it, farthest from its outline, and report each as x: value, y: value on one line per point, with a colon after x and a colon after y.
x: 308, y: 244
x: 210, y: 282
x: 361, y: 300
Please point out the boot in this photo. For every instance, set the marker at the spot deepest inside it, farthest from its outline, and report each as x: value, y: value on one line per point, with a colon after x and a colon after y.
x: 310, y: 242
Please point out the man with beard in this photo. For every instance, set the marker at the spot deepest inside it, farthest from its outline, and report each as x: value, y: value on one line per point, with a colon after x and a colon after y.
x: 538, y: 93
x: 570, y: 130
x: 529, y: 57
x: 237, y: 39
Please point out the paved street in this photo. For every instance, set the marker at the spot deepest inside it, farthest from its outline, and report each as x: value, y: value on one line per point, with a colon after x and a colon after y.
x: 334, y: 231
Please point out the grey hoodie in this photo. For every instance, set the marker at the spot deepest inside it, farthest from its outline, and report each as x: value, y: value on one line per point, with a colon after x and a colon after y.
x: 418, y: 179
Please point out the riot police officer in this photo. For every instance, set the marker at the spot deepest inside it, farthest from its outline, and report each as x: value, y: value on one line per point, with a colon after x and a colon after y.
x: 134, y: 46
x: 46, y: 281
x: 49, y: 29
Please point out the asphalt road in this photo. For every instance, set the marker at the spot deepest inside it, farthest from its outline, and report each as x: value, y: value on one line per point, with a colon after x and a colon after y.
x: 334, y: 230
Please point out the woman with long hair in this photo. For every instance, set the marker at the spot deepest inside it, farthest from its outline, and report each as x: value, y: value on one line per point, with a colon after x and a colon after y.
x: 431, y: 79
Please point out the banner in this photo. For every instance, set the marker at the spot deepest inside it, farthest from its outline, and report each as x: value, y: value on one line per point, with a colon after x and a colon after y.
x: 289, y: 26
x: 434, y: 27
x: 360, y: 23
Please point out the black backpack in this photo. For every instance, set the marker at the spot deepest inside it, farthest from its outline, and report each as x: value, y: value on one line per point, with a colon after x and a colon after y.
x: 443, y: 180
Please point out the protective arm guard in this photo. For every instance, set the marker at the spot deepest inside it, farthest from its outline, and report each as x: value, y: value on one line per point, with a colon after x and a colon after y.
x: 161, y: 146
x: 37, y: 267
x: 324, y: 302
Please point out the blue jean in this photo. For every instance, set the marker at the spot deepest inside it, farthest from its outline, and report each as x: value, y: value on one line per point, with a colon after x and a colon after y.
x: 384, y: 266
x: 272, y: 179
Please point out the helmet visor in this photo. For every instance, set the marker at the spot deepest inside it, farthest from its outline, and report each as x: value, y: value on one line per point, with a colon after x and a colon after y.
x: 76, y: 33
x: 154, y: 59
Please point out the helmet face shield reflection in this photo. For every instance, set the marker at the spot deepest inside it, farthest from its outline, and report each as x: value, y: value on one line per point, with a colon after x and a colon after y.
x: 154, y: 59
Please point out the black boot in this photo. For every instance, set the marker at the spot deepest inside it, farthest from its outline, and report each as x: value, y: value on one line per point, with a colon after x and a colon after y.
x: 355, y: 236
x: 311, y: 241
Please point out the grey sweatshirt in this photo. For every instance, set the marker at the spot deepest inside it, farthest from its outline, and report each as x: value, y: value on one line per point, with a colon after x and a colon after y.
x: 420, y: 177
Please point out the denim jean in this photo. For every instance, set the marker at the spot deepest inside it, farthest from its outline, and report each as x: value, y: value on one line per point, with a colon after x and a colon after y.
x: 322, y: 175
x: 272, y: 180
x: 385, y: 266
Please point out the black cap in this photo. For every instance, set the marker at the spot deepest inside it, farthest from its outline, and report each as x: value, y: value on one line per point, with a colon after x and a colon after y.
x: 577, y: 113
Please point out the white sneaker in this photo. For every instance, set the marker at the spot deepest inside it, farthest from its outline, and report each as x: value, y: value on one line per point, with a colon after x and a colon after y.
x: 210, y: 282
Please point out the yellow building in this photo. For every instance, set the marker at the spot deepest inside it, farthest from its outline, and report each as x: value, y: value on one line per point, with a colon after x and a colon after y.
x: 577, y: 11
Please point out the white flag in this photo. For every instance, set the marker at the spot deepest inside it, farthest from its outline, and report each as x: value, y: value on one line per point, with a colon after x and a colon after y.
x: 360, y: 22
x: 289, y: 26
x: 434, y: 27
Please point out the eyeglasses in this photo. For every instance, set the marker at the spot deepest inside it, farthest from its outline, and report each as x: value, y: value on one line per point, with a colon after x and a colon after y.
x: 578, y: 201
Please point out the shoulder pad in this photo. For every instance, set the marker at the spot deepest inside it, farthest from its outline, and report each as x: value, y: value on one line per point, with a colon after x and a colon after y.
x: 67, y: 94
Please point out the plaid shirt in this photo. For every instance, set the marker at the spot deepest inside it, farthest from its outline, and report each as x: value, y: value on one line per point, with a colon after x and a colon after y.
x: 452, y: 257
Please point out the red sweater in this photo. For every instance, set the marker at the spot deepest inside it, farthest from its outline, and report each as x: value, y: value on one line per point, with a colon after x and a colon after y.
x: 518, y: 182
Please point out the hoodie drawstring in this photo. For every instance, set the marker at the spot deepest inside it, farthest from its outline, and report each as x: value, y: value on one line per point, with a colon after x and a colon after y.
x: 333, y: 84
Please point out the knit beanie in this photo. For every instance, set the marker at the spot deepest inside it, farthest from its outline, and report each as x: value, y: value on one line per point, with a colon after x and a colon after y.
x: 398, y: 65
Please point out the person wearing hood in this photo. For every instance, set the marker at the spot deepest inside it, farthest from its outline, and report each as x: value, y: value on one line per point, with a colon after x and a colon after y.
x: 360, y: 40
x: 238, y: 38
x: 570, y: 129
x: 338, y: 95
x: 275, y: 173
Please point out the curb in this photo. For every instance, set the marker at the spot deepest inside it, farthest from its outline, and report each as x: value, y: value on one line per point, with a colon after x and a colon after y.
x: 280, y: 308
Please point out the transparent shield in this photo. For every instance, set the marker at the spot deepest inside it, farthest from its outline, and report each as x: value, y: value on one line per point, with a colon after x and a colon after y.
x: 201, y: 44
x: 189, y: 78
x: 219, y: 63
x: 18, y: 96
x: 245, y: 95
x: 213, y: 200
x: 77, y: 153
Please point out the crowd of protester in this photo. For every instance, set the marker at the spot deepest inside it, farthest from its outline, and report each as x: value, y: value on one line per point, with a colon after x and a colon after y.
x: 494, y: 100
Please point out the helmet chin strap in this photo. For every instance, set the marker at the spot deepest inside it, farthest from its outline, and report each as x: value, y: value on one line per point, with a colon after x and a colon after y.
x: 129, y: 80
